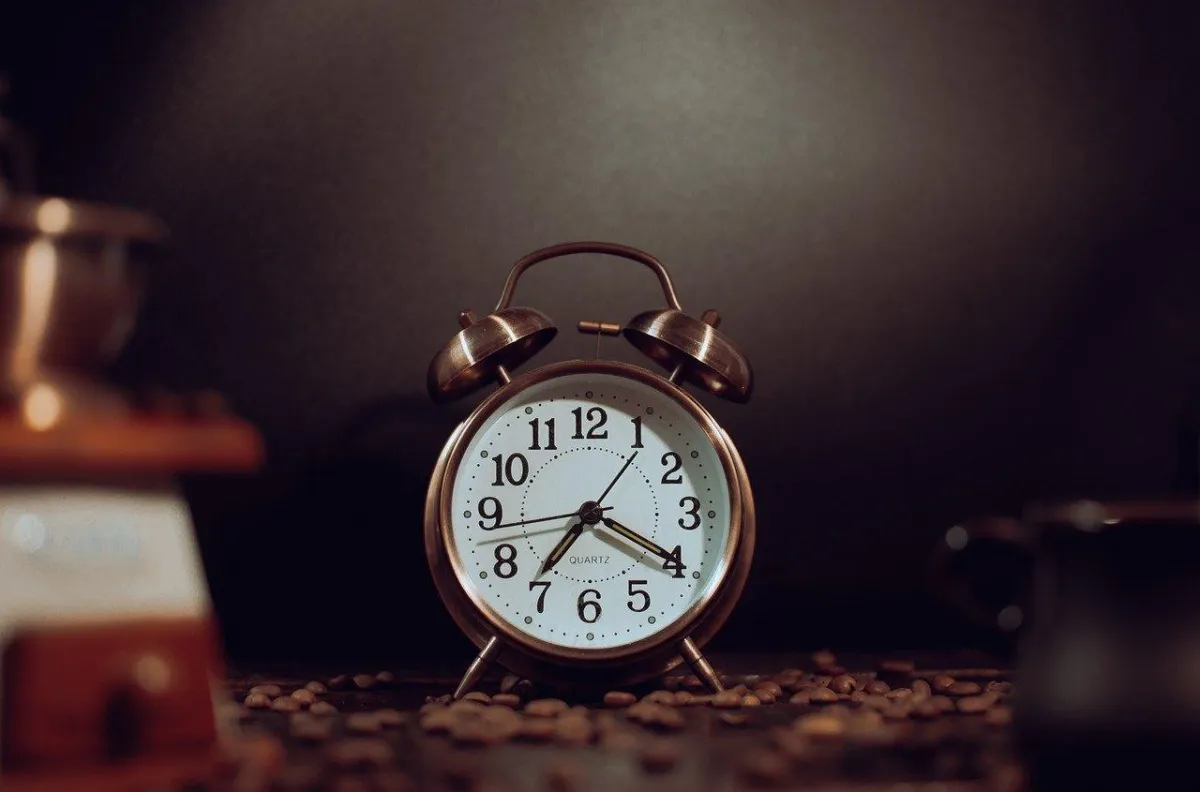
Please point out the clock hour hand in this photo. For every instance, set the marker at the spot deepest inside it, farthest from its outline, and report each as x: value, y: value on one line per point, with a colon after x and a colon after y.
x: 562, y: 547
x: 637, y: 539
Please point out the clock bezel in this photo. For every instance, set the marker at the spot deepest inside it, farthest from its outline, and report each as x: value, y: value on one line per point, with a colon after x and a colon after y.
x: 534, y: 657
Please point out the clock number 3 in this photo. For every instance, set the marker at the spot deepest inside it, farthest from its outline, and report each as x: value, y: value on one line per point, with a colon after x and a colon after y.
x: 693, y: 510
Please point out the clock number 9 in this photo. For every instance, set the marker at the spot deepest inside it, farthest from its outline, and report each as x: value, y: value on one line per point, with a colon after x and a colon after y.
x: 585, y: 603
x: 495, y: 515
x: 693, y: 511
x: 506, y: 561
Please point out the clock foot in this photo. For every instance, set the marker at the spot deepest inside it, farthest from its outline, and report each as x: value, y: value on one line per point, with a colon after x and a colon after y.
x: 700, y: 667
x: 477, y: 667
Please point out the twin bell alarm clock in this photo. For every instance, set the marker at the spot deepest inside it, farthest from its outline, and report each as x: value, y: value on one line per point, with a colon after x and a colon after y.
x: 589, y: 524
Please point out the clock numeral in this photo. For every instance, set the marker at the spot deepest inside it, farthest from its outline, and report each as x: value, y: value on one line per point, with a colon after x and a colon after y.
x: 637, y: 433
x: 506, y: 561
x: 672, y: 460
x: 636, y: 592
x: 545, y: 586
x: 535, y: 446
x: 693, y: 511
x: 495, y: 515
x: 675, y: 562
x: 584, y: 603
x: 598, y: 417
x: 504, y: 470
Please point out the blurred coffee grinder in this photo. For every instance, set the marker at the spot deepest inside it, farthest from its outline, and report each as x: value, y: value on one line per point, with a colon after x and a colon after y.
x: 109, y: 654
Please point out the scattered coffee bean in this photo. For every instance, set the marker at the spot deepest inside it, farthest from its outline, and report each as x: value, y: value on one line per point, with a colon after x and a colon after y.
x: 976, y: 704
x: 389, y: 718
x: 364, y: 681
x: 563, y: 778
x: 619, y: 699
x: 824, y: 658
x: 668, y: 719
x: 877, y: 687
x: 943, y: 703
x: 385, y: 678
x: 821, y: 727
x: 362, y: 723
x: 858, y: 696
x: 765, y: 768
x: 537, y: 729
x: 925, y: 710
x: 316, y: 688
x: 821, y: 680
x: 271, y: 691
x: 802, y: 697
x: 338, y: 682
x: 309, y: 729
x: 897, y: 694
x: 510, y: 700
x: 727, y: 699
x: 466, y: 705
x: 573, y: 730
x: 437, y: 721
x: 997, y: 686
x: 546, y: 708
x: 963, y: 689
x: 322, y: 708
x: 733, y: 718
x: 822, y: 696
x: 751, y: 700
x: 700, y: 699
x: 897, y: 711
x: 509, y: 682
x: 921, y: 689
x: 683, y: 698
x: 475, y: 695
x: 998, y: 716
x: 660, y: 697
x: 285, y: 704
x: 765, y: 696
x: 896, y: 667
x: 941, y: 682
x: 474, y: 732
x: 304, y: 697
x: 659, y: 756
x: 769, y: 688
x: 877, y: 703
x: 258, y: 701
x: 360, y: 753
x: 693, y: 682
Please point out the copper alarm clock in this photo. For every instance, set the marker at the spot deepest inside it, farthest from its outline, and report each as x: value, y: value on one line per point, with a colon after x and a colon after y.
x: 589, y: 524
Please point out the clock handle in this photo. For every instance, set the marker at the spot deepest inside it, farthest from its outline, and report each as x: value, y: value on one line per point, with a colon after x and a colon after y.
x: 572, y: 248
x: 480, y: 664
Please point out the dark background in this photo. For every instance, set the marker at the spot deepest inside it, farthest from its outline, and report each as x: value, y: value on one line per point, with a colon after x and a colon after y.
x: 956, y: 240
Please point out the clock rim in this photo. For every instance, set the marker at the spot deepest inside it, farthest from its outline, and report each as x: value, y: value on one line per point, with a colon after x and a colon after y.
x: 655, y: 653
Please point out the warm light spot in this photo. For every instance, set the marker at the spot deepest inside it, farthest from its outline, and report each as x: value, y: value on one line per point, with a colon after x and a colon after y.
x: 39, y: 274
x: 41, y: 407
x: 53, y: 216
x: 152, y: 673
x: 957, y: 537
x: 1010, y: 618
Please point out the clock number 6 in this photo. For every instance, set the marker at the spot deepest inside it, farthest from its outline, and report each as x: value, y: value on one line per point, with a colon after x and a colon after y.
x: 545, y: 586
x: 506, y: 561
x: 636, y: 592
x: 584, y: 603
x: 693, y: 511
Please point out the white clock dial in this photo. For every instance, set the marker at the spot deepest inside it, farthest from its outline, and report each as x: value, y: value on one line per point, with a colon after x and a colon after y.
x: 613, y: 482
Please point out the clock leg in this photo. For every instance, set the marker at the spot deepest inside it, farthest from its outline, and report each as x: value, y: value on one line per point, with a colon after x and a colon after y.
x: 474, y: 671
x: 700, y: 667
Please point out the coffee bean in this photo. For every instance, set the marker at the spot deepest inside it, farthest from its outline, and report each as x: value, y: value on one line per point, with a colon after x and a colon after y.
x: 579, y: 711
x: 537, y: 729
x: 464, y: 705
x: 921, y: 689
x: 258, y: 701
x: 822, y: 696
x: 304, y: 697
x: 821, y: 727
x: 338, y: 682
x: 998, y: 716
x: 693, y: 682
x: 364, y: 681
x: 573, y: 730
x: 821, y: 680
x: 878, y: 703
x: 316, y: 688
x: 976, y: 704
x: 360, y: 753
x: 385, y: 678
x: 659, y: 756
x: 700, y: 699
x: 668, y: 719
x: 803, y: 697
x: 751, y: 700
x: 474, y: 732
x: 285, y: 704
x: 963, y: 689
x: 619, y: 699
x: 445, y: 698
x: 389, y: 718
x: 271, y: 691
x: 765, y: 696
x: 322, y: 708
x: 898, y: 694
x: 510, y: 700
x: 943, y: 703
x: 925, y: 710
x: 896, y: 667
x: 727, y: 699
x: 309, y: 729
x: 733, y: 718
x: 764, y: 768
x: 437, y: 721
x: 824, y: 658
x: 897, y: 711
x: 545, y: 708
x: 941, y: 682
x: 660, y: 697
x: 996, y: 686
x: 362, y: 723
x: 563, y: 778
x: 509, y: 682
x: 858, y: 696
x: 877, y: 688
x: 475, y: 695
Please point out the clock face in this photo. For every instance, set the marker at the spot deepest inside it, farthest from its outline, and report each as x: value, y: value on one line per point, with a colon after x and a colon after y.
x: 590, y: 511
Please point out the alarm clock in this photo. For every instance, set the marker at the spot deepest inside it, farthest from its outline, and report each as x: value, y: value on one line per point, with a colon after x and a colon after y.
x: 589, y: 524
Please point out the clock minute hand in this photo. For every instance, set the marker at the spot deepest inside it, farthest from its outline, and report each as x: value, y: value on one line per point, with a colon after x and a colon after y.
x: 562, y: 547
x: 637, y: 538
x: 616, y: 478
